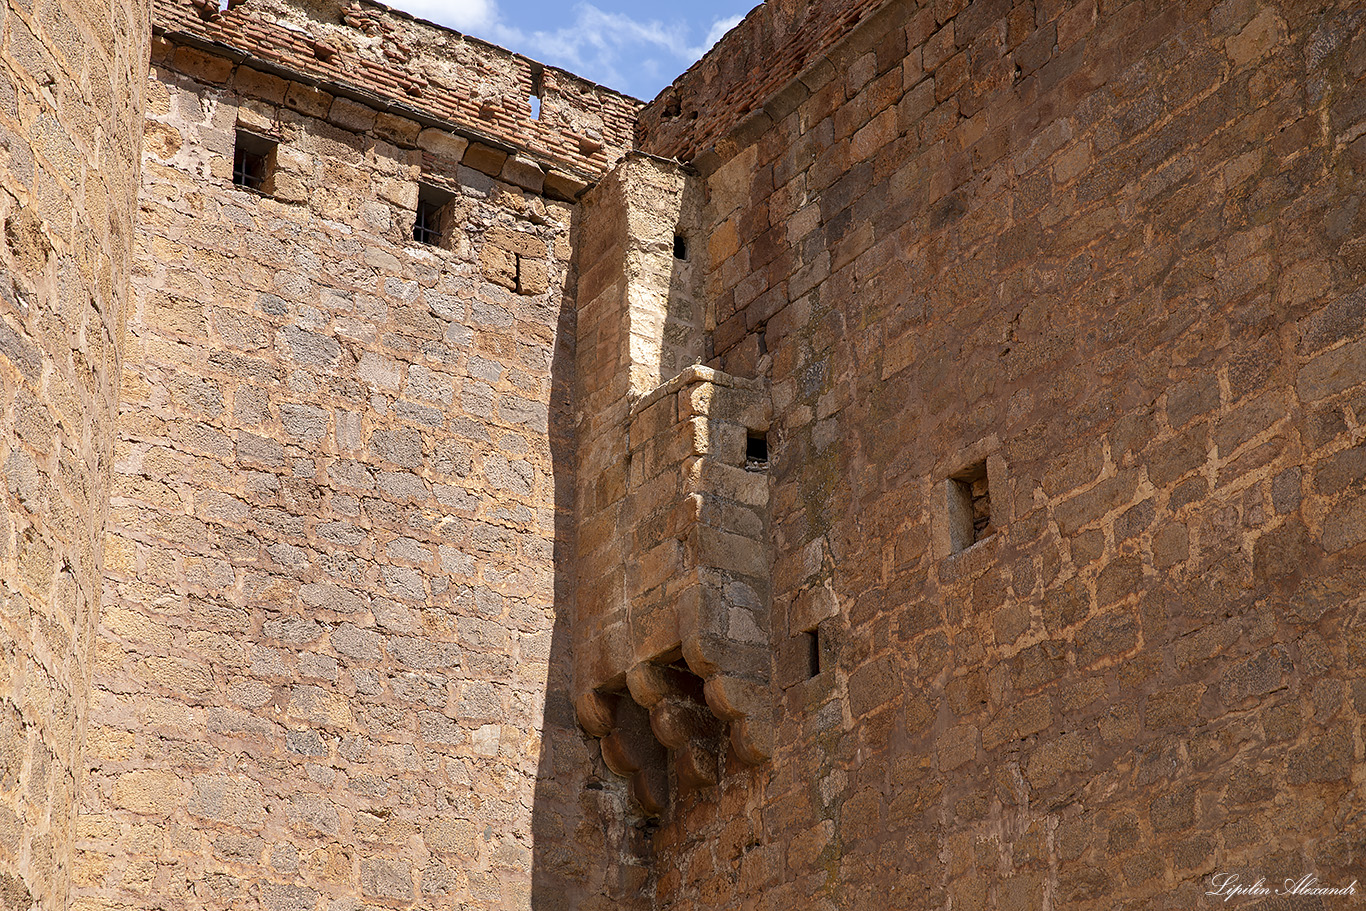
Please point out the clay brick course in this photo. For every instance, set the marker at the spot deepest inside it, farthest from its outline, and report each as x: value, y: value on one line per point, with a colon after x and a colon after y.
x: 399, y: 66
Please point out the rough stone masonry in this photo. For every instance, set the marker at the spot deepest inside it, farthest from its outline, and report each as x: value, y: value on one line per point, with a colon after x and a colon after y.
x: 72, y: 76
x: 914, y: 462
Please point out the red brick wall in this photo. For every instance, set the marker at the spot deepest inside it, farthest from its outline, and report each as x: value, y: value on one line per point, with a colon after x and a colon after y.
x: 1114, y: 251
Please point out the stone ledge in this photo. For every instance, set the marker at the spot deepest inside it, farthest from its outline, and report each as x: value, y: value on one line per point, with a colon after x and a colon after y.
x: 697, y: 373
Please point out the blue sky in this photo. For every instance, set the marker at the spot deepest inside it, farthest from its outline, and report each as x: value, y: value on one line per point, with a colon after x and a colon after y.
x: 636, y: 48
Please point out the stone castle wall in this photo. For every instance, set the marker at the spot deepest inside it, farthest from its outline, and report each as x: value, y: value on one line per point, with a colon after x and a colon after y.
x: 331, y: 672
x: 1106, y: 260
x: 942, y: 490
x: 71, y: 76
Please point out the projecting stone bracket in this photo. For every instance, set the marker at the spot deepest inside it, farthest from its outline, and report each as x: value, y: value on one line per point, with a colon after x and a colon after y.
x: 688, y: 644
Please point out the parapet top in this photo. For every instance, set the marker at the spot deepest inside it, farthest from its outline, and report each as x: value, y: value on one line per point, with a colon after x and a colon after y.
x: 430, y: 72
x: 777, y: 48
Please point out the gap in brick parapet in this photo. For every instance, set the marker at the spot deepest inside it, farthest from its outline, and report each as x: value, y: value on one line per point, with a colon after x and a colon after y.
x: 537, y: 90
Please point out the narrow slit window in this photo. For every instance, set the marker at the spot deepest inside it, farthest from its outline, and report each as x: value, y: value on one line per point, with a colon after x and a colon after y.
x: 969, y: 507
x: 680, y: 247
x: 812, y: 640
x: 252, y: 162
x: 756, y: 450
x: 429, y: 221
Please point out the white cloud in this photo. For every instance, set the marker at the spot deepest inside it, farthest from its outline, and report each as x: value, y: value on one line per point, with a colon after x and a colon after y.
x: 470, y: 16
x: 716, y: 33
x: 634, y: 55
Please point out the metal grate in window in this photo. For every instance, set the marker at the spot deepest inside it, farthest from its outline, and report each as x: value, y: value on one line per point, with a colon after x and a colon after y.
x: 427, y: 225
x: 248, y: 169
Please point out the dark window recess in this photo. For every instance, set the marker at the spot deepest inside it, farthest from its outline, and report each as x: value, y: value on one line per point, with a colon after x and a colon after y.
x: 428, y: 227
x: 969, y: 507
x: 756, y: 450
x: 812, y: 640
x: 253, y: 160
x: 680, y: 247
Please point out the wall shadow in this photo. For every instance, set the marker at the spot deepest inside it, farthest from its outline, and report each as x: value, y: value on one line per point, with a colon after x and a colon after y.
x: 591, y: 846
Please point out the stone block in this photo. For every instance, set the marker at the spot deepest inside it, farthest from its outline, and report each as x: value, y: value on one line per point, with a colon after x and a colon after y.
x: 873, y: 686
x: 228, y: 799
x: 1257, y: 38
x: 205, y: 66
x: 1332, y: 372
x: 443, y: 144
x: 1106, y: 635
x: 387, y: 878
x: 484, y: 159
x: 533, y: 277
x: 1345, y: 525
x: 710, y: 478
x: 256, y: 84
x: 399, y: 130
x: 563, y: 185
x: 652, y: 568
x: 155, y: 792
x: 1055, y: 758
x: 523, y: 172
x: 719, y: 549
x: 308, y: 100
x: 351, y: 115
x: 499, y: 266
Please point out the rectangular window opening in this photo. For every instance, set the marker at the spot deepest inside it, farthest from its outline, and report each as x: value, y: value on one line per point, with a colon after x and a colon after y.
x: 812, y: 638
x: 428, y: 223
x: 680, y: 247
x: 969, y: 506
x: 253, y: 161
x: 756, y: 450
